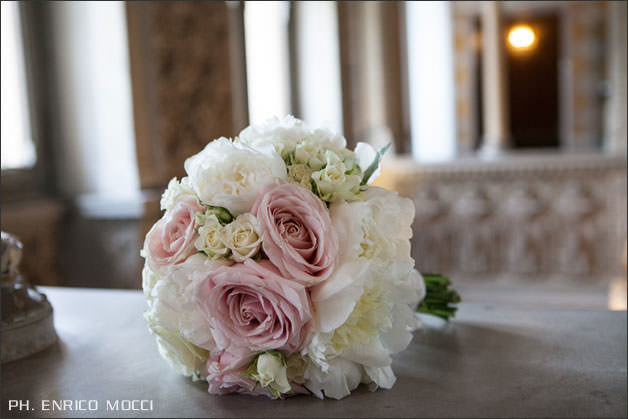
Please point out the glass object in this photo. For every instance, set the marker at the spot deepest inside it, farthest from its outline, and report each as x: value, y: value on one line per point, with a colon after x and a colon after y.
x: 27, y: 324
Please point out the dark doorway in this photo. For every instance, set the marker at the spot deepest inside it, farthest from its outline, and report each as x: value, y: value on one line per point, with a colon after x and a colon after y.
x: 533, y: 85
x: 532, y: 79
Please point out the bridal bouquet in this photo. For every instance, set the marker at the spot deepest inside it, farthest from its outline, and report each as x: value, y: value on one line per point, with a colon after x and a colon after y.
x: 277, y: 270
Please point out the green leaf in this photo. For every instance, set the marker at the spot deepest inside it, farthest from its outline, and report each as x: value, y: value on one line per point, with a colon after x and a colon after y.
x: 251, y: 371
x: 222, y: 213
x: 289, y: 158
x: 315, y: 189
x: 375, y: 164
x: 355, y: 169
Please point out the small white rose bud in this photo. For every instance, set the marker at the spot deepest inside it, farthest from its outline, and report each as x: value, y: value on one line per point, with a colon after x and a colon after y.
x: 336, y: 181
x: 301, y: 174
x: 242, y: 237
x: 209, y: 238
x: 271, y: 372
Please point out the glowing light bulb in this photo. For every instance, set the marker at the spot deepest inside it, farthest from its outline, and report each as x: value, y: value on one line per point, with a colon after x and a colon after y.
x: 521, y: 37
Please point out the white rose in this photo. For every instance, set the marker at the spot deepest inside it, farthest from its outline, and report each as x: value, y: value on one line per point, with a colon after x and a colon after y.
x: 379, y: 226
x: 336, y: 181
x: 310, y: 153
x: 242, y: 236
x: 271, y: 373
x: 230, y: 174
x: 301, y: 174
x: 210, y: 237
x: 174, y: 191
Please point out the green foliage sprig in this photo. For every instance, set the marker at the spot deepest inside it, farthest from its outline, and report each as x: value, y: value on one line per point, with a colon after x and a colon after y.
x: 374, y: 165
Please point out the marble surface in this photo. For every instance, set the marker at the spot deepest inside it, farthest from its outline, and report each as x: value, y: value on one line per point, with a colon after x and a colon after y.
x: 495, y: 360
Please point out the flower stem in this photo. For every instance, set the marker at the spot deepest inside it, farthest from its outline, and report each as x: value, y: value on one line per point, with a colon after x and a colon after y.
x: 438, y: 297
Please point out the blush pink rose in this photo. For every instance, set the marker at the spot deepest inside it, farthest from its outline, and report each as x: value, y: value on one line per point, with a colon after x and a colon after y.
x: 297, y: 234
x: 250, y: 307
x: 171, y: 240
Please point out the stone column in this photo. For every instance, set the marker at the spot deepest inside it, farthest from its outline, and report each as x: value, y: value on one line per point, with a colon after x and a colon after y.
x: 187, y: 78
x: 372, y: 63
x: 615, y: 136
x: 495, y: 90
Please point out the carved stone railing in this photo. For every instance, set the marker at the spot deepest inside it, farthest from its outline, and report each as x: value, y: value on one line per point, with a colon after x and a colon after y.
x: 542, y: 215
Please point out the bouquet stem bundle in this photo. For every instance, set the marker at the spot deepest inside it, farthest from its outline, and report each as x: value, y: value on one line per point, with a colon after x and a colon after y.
x: 439, y: 297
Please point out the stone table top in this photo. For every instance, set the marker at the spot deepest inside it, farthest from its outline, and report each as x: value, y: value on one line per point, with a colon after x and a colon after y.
x: 493, y: 360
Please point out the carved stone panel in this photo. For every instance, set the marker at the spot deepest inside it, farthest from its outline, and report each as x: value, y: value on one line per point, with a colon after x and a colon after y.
x: 545, y: 216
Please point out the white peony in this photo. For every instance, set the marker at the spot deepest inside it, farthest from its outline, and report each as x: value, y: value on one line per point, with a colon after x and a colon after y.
x: 186, y: 358
x: 286, y: 133
x: 243, y: 237
x: 379, y: 226
x: 231, y: 174
x: 337, y: 382
x: 295, y: 368
x: 183, y: 334
x: 174, y: 191
x: 149, y: 279
x: 364, y: 314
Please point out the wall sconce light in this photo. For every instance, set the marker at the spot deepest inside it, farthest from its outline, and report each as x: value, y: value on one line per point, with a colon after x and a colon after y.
x: 521, y: 38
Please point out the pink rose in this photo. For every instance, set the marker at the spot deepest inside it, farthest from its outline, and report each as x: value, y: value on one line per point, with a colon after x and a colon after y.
x: 171, y: 240
x: 250, y: 307
x: 297, y: 234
